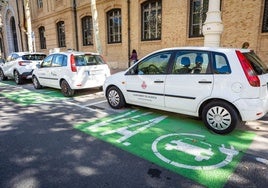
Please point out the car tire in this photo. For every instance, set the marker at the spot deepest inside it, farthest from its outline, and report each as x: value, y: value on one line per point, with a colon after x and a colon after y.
x: 115, y: 98
x: 36, y: 83
x: 220, y: 117
x: 17, y: 77
x: 66, y: 89
x: 2, y: 75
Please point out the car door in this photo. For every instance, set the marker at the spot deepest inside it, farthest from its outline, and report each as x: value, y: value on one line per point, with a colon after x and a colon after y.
x: 10, y: 65
x: 146, y: 80
x: 58, y: 70
x: 184, y: 90
x: 43, y: 72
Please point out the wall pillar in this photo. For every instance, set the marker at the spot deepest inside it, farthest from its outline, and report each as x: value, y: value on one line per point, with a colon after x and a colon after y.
x: 213, y: 26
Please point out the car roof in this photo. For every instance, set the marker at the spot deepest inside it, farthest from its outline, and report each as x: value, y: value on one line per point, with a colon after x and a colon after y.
x: 214, y: 49
x: 75, y: 53
x: 27, y: 53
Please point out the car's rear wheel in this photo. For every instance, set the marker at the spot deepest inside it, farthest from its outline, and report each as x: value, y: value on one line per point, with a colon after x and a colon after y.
x: 115, y: 98
x: 66, y: 90
x: 220, y: 117
x: 2, y: 75
x: 17, y: 77
x: 36, y: 83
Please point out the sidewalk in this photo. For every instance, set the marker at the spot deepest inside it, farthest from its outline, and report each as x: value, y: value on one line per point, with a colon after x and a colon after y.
x: 113, y: 71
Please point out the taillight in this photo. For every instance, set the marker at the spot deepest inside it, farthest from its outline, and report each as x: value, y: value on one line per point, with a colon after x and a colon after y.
x: 21, y: 63
x: 73, y: 66
x: 252, y: 77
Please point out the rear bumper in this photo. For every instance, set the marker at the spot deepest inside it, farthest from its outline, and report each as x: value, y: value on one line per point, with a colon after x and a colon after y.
x: 252, y: 109
x: 27, y: 75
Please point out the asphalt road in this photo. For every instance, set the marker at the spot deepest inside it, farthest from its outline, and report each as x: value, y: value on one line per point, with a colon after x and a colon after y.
x: 40, y: 148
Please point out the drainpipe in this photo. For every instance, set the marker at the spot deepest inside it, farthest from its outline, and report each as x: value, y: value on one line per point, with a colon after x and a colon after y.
x: 213, y: 26
x: 128, y: 28
x: 75, y: 23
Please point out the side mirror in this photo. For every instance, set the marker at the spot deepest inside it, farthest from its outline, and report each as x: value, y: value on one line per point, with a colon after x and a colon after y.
x: 38, y: 65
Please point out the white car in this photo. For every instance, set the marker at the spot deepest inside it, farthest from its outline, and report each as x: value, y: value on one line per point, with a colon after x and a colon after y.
x: 70, y: 71
x: 19, y: 66
x: 222, y: 86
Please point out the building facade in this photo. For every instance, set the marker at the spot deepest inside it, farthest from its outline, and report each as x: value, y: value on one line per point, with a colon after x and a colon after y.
x: 123, y: 25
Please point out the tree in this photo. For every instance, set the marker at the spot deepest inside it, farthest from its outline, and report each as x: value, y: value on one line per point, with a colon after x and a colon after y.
x: 29, y: 25
x: 96, y: 26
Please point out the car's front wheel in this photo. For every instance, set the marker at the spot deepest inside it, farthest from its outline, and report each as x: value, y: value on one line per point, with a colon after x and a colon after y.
x: 2, y: 75
x: 36, y: 83
x: 115, y: 98
x: 17, y: 77
x: 66, y: 90
x: 220, y: 117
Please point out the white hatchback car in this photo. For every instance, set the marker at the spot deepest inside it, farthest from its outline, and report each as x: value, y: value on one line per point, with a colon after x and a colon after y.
x: 19, y: 66
x: 70, y: 71
x: 222, y: 86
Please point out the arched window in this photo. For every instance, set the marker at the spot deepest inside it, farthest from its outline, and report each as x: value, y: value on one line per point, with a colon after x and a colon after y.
x: 14, y: 34
x: 42, y: 37
x: 61, y: 34
x: 87, y: 29
x: 114, y: 25
x: 151, y: 20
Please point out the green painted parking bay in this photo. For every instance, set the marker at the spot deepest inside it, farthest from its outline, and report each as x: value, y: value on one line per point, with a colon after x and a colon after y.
x: 182, y: 145
x: 26, y: 97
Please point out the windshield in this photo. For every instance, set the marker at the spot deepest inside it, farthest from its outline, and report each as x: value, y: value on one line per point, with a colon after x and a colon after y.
x: 88, y: 59
x: 256, y: 63
x: 34, y: 57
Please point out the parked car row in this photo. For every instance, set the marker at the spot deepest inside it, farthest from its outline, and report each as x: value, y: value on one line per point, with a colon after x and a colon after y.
x: 224, y: 87
x: 68, y: 71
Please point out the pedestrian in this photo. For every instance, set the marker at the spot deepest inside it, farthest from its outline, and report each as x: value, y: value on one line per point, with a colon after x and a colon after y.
x: 134, y: 56
x: 245, y: 45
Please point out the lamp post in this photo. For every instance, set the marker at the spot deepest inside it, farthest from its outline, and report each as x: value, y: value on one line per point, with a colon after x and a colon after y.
x: 213, y: 26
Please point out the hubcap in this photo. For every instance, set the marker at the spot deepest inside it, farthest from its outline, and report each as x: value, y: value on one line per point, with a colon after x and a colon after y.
x: 219, y: 118
x: 114, y: 98
x: 35, y: 82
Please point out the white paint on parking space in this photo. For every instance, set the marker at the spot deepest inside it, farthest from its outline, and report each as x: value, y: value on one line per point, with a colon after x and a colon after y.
x: 262, y: 160
x: 99, y: 102
x: 85, y: 107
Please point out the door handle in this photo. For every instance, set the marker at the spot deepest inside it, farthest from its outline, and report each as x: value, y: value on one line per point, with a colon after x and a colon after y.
x: 158, y: 81
x: 204, y: 82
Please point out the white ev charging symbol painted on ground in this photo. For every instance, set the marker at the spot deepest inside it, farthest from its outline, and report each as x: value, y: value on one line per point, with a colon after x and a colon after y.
x: 200, y: 153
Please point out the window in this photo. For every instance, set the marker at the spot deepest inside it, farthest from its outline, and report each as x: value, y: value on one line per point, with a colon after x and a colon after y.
x: 191, y: 62
x: 198, y: 10
x: 61, y: 34
x: 151, y: 20
x: 155, y: 64
x: 114, y: 26
x: 59, y: 60
x: 221, y: 65
x: 47, y: 61
x: 42, y: 37
x: 40, y: 3
x: 87, y: 30
x: 265, y: 17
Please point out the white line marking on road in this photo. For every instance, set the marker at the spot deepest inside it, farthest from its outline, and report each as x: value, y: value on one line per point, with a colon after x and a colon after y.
x: 92, y: 104
x: 262, y: 160
x: 84, y: 107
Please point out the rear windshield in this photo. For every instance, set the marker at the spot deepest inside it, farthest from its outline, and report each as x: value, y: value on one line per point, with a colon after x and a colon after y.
x: 88, y: 59
x: 34, y: 57
x: 256, y: 63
